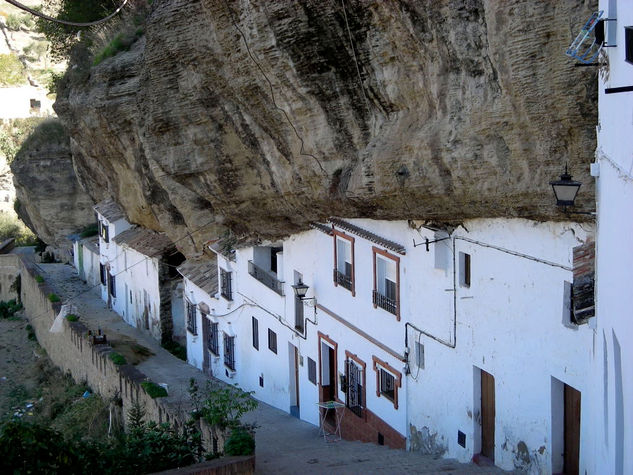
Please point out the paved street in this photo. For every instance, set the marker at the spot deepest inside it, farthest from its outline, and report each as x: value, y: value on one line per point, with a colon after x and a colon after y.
x: 284, y: 443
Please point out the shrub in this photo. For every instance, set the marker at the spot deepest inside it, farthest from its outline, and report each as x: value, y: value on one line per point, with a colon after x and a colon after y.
x: 14, y: 22
x: 30, y: 333
x: 118, y: 359
x: 223, y: 406
x: 121, y: 42
x: 175, y: 349
x: 12, y: 71
x: 39, y: 279
x: 71, y: 317
x: 9, y: 308
x: 12, y: 227
x: 240, y: 442
x: 53, y: 297
x: 88, y: 231
x: 153, y: 390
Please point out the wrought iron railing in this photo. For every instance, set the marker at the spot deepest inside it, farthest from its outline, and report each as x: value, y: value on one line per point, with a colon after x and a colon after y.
x: 226, y: 285
x: 343, y: 280
x: 266, y: 278
x: 390, y: 305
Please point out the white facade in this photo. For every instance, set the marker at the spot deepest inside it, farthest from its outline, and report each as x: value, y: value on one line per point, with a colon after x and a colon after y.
x: 86, y: 259
x: 612, y: 375
x: 510, y: 312
x: 109, y: 253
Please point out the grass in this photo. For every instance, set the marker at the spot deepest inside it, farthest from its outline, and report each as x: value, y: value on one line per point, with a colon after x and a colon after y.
x: 12, y: 71
x: 153, y: 390
x: 71, y: 317
x: 121, y: 42
x: 39, y: 279
x: 117, y: 359
x: 53, y: 298
x: 175, y: 349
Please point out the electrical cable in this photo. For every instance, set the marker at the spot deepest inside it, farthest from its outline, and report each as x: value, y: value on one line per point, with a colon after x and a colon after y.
x: 64, y: 22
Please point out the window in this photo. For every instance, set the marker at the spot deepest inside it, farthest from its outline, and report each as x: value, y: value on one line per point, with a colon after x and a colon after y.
x: 312, y: 374
x: 103, y: 231
x: 225, y: 285
x: 628, y: 44
x: 103, y: 274
x: 386, y: 293
x: 273, y: 258
x: 212, y: 339
x: 272, y: 341
x: 299, y: 317
x: 388, y: 380
x: 344, y: 261
x: 112, y: 284
x: 355, y: 384
x: 191, y: 319
x: 255, y: 333
x: 464, y: 269
x: 267, y: 267
x: 229, y: 351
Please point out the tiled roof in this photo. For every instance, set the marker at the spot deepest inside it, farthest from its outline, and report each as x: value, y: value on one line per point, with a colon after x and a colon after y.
x: 352, y: 228
x: 109, y: 210
x: 145, y: 241
x: 202, y: 272
x: 324, y: 228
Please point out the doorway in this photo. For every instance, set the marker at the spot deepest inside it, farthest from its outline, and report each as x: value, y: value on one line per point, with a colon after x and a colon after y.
x: 571, y: 430
x: 487, y: 415
x: 293, y: 379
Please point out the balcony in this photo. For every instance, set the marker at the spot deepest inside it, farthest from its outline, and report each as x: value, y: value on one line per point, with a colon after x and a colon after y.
x: 343, y: 280
x: 266, y: 277
x: 390, y: 305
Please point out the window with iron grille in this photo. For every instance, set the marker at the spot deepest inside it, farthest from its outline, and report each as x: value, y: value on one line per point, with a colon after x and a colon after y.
x: 386, y: 293
x: 192, y: 326
x: 255, y: 325
x: 312, y: 373
x: 225, y: 285
x: 103, y: 274
x: 272, y: 341
x: 229, y: 351
x: 354, y: 389
x: 212, y: 339
x: 344, y: 261
x: 387, y: 385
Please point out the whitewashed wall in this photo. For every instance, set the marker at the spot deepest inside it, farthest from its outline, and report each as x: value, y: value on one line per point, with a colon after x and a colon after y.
x: 611, y: 380
x: 109, y: 252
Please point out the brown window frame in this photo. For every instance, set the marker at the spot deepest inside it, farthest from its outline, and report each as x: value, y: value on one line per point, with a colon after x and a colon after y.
x: 383, y: 365
x: 380, y: 252
x: 338, y: 234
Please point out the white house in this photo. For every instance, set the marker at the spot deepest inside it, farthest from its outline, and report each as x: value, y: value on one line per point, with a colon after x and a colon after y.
x: 611, y: 381
x: 421, y: 346
x: 138, y: 275
x: 86, y: 259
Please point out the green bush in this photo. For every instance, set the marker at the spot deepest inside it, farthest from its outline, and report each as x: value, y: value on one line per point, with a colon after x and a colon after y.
x: 14, y: 22
x: 12, y: 71
x: 53, y: 298
x: 222, y: 406
x: 39, y: 279
x: 9, y: 308
x: 153, y: 390
x: 89, y: 231
x: 30, y: 333
x: 117, y: 358
x: 121, y: 42
x: 71, y: 317
x: 240, y: 442
x: 175, y: 349
x: 12, y: 227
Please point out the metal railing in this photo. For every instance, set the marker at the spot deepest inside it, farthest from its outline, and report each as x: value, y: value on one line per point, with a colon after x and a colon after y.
x: 343, y: 280
x: 266, y: 278
x: 390, y: 305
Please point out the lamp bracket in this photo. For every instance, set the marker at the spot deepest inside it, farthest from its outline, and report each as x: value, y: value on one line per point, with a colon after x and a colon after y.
x: 427, y: 242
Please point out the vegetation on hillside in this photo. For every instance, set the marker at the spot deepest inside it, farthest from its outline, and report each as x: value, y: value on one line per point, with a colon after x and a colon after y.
x: 12, y: 72
x: 13, y: 133
x: 12, y: 227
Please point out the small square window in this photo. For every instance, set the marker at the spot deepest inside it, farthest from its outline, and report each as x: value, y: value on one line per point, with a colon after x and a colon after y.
x: 312, y: 373
x: 272, y: 341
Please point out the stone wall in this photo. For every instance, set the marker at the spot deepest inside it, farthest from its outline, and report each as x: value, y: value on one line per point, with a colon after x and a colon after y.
x: 8, y: 272
x: 72, y: 350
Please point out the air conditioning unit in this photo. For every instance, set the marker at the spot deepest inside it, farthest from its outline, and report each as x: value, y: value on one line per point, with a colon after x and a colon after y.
x: 229, y: 373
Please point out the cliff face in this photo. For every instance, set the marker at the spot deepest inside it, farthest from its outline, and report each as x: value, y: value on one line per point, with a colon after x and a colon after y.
x: 51, y: 202
x: 263, y: 116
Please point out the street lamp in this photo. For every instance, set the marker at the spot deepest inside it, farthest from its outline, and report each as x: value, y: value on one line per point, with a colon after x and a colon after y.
x: 300, y: 290
x: 565, y: 190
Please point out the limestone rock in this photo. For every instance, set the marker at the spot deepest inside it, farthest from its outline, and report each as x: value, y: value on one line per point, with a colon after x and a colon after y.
x: 51, y: 202
x: 263, y: 116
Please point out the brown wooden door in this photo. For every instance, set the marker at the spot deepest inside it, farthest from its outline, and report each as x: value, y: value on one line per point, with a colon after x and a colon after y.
x: 572, y: 430
x: 487, y: 415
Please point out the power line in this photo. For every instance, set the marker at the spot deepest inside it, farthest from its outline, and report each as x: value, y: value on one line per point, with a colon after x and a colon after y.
x: 64, y: 22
